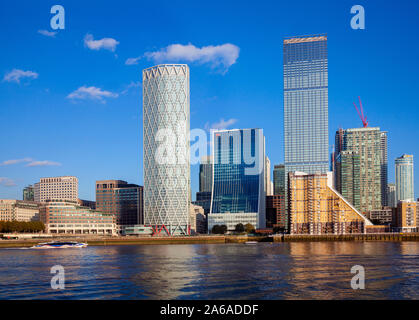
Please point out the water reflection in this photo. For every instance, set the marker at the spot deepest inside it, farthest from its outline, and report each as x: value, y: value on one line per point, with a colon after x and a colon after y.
x: 296, y: 270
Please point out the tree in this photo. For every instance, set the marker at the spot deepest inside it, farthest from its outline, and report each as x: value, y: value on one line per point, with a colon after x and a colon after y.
x: 249, y: 228
x: 217, y: 229
x: 239, y: 227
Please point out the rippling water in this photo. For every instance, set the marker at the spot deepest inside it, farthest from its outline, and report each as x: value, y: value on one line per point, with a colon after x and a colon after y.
x: 311, y: 270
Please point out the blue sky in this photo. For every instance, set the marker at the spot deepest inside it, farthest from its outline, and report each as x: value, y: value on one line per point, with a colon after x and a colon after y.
x: 96, y: 132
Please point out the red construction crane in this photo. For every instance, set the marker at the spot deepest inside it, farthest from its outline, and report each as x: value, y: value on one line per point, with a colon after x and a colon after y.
x: 361, y: 113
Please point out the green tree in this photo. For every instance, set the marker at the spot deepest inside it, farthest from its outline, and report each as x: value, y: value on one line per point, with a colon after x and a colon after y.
x: 239, y: 227
x: 249, y: 228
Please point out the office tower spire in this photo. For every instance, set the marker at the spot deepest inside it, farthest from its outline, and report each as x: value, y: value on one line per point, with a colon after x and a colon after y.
x: 166, y: 148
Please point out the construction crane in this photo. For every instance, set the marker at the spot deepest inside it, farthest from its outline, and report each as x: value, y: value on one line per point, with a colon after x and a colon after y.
x: 361, y: 113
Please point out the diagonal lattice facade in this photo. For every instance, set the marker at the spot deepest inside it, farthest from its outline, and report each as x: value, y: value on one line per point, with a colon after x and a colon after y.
x: 166, y: 148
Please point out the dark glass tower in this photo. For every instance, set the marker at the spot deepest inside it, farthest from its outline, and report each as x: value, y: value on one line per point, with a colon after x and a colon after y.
x: 306, y: 139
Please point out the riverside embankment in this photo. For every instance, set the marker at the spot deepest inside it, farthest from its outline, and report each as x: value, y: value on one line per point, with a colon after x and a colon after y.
x: 107, y: 241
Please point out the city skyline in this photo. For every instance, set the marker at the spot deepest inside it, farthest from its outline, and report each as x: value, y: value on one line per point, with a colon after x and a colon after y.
x: 64, y: 137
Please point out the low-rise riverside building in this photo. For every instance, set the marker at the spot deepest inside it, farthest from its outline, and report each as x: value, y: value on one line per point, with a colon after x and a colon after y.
x: 18, y: 210
x: 406, y: 216
x: 383, y: 216
x: 70, y: 218
x: 316, y: 208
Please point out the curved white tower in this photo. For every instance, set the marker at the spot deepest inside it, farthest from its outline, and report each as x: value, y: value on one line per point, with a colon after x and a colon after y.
x: 166, y: 148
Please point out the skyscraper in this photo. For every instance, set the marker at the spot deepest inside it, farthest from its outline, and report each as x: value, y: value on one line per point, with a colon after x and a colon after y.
x: 239, y: 178
x: 404, y: 178
x: 166, y: 148
x: 366, y: 142
x: 205, y: 174
x: 306, y: 139
x: 268, y: 181
x: 124, y: 201
x: 391, y: 195
x: 279, y: 179
x: 384, y: 168
x: 348, y: 176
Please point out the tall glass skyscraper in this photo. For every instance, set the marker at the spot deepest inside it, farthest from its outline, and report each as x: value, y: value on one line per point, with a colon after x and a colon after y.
x: 238, y: 193
x: 404, y: 178
x: 306, y: 139
x: 166, y: 148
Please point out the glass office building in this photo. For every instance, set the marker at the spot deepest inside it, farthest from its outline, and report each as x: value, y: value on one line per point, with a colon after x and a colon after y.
x: 404, y: 178
x: 166, y: 148
x: 238, y: 192
x: 306, y: 141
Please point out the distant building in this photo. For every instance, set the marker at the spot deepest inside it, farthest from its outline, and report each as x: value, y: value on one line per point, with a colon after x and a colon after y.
x: 239, y: 178
x: 18, y: 210
x: 406, y: 217
x: 205, y: 174
x: 348, y: 176
x: 28, y: 193
x: 197, y: 219
x: 316, y: 208
x: 268, y: 182
x: 203, y: 199
x: 384, y: 168
x: 404, y: 178
x: 67, y: 217
x: 275, y: 211
x: 367, y: 143
x: 87, y: 203
x: 124, y: 201
x: 391, y: 195
x: 57, y: 188
x: 382, y: 216
x: 279, y: 179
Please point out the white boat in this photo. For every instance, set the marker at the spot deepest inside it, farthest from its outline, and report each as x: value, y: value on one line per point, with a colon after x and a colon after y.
x: 251, y: 242
x: 60, y: 244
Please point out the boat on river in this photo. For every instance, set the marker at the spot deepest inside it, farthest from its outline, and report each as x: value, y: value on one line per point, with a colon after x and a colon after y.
x: 59, y: 245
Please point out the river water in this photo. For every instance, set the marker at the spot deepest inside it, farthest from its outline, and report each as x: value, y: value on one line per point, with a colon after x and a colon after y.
x: 295, y: 270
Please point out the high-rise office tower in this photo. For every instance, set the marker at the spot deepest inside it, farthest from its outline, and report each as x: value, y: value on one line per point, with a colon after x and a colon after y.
x: 205, y: 174
x: 239, y: 178
x: 366, y: 142
x: 404, y: 178
x: 57, y: 188
x: 166, y: 148
x: 124, y: 201
x: 391, y: 195
x: 268, y: 183
x: 28, y: 193
x: 306, y: 141
x: 348, y: 175
x: 384, y: 168
x: 279, y: 179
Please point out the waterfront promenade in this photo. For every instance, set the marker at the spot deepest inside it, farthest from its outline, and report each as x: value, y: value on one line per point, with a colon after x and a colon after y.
x: 207, y: 239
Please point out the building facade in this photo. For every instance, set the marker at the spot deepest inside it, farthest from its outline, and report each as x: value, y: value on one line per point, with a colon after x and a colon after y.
x: 366, y: 142
x: 316, y: 208
x: 239, y: 178
x: 122, y: 200
x: 18, y: 210
x: 57, y: 188
x: 28, y: 193
x: 391, y: 195
x: 404, y: 178
x: 384, y: 168
x: 306, y: 140
x: 205, y: 174
x: 275, y: 212
x: 406, y: 217
x: 197, y: 219
x: 67, y: 217
x: 166, y: 113
x: 203, y: 199
x: 268, y: 182
x: 279, y: 179
x: 348, y: 175
x: 383, y: 216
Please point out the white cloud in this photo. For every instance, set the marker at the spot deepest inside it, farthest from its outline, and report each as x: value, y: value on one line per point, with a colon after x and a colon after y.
x: 47, y: 33
x: 131, y: 61
x: 15, y: 161
x: 43, y: 163
x: 105, y: 43
x: 131, y: 85
x: 7, y: 182
x: 220, y: 125
x: 16, y: 74
x: 222, y: 56
x: 92, y: 93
